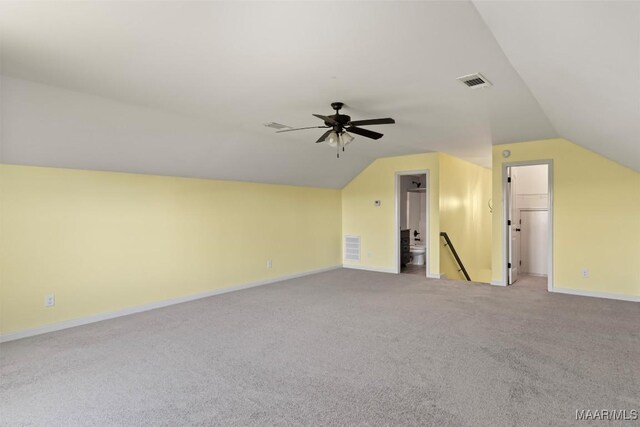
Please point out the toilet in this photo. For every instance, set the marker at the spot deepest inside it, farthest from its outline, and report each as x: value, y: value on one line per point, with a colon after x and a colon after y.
x: 418, y: 253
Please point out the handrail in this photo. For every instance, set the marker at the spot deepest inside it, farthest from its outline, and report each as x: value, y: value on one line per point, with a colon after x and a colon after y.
x: 455, y: 254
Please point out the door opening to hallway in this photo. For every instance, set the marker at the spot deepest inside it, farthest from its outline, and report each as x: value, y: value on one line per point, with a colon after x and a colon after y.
x: 528, y: 225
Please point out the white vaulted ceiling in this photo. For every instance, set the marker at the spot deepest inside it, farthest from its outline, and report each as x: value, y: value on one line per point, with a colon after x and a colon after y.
x: 581, y: 60
x: 184, y: 88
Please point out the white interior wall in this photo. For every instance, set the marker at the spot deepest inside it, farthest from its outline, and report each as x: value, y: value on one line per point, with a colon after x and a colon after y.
x: 534, y: 241
x: 415, y: 214
x: 405, y: 184
x: 415, y: 203
x: 532, y: 179
x: 531, y: 210
x: 423, y: 219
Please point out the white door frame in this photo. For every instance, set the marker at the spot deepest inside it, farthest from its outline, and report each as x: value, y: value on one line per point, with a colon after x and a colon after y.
x: 505, y: 216
x: 396, y: 222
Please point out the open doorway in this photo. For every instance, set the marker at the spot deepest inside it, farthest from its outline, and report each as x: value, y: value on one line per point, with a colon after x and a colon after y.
x: 528, y: 224
x: 411, y: 222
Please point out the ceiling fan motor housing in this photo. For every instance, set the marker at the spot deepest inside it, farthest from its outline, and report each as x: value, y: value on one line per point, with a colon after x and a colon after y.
x: 342, y: 119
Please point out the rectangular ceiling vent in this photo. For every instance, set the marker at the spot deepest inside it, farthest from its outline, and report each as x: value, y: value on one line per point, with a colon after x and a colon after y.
x: 475, y: 81
x: 275, y: 125
x: 352, y: 248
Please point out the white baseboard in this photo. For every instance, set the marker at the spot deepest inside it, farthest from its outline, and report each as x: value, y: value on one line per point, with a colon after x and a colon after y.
x: 367, y: 268
x: 498, y: 283
x: 435, y: 276
x: 30, y: 332
x: 596, y: 294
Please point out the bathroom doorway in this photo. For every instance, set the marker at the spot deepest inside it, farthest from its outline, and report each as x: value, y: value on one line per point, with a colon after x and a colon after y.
x: 412, y: 222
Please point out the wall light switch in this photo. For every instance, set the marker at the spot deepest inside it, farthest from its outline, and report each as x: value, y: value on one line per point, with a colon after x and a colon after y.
x: 269, y: 263
x: 50, y: 300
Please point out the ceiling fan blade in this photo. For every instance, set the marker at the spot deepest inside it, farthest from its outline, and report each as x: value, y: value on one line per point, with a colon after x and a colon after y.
x: 365, y: 132
x: 324, y: 136
x: 385, y: 121
x: 327, y: 119
x: 310, y: 127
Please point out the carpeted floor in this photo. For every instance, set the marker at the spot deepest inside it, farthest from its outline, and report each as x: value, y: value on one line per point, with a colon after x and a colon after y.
x: 532, y: 282
x: 345, y: 347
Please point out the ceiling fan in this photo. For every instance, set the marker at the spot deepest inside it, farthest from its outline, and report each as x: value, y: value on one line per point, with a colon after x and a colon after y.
x: 340, y: 124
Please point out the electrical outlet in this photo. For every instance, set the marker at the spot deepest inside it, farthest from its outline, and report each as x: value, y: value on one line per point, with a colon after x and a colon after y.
x: 585, y: 273
x: 269, y: 263
x: 50, y: 300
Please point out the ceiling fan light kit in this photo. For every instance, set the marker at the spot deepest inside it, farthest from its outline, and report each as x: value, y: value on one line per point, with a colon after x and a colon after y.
x: 338, y: 125
x: 333, y: 139
x: 339, y: 139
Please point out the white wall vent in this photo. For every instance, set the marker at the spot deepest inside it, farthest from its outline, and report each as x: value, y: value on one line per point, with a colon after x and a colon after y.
x: 474, y: 81
x: 352, y: 248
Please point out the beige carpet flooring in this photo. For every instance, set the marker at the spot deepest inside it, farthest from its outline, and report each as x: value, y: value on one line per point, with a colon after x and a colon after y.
x: 344, y: 347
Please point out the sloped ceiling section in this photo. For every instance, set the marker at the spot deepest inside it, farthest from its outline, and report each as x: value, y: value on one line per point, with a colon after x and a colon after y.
x: 184, y: 88
x: 581, y: 61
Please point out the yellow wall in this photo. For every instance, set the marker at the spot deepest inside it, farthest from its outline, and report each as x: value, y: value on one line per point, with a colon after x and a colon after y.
x: 465, y: 190
x: 596, y: 218
x: 376, y: 225
x: 106, y: 241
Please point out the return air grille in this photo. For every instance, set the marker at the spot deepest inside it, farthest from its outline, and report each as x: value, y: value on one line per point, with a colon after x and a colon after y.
x: 474, y: 81
x: 352, y: 248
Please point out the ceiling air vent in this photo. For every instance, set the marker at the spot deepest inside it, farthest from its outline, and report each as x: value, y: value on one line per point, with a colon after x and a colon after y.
x: 475, y: 81
x: 278, y: 126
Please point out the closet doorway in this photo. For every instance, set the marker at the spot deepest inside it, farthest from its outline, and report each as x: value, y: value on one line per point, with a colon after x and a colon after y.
x: 528, y: 224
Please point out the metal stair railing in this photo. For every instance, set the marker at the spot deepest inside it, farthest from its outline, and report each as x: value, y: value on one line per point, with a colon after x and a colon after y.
x: 455, y: 254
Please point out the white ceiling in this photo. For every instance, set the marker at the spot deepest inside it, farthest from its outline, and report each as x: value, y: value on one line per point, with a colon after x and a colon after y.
x: 183, y: 88
x: 581, y: 60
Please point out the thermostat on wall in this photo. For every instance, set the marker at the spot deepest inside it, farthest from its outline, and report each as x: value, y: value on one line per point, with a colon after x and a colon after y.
x: 376, y: 203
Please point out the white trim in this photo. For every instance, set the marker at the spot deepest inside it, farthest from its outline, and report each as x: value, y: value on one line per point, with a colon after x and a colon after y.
x: 498, y: 283
x: 596, y: 294
x: 505, y: 227
x: 505, y: 216
x: 24, y: 333
x: 366, y: 268
x: 435, y: 276
x: 396, y: 222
